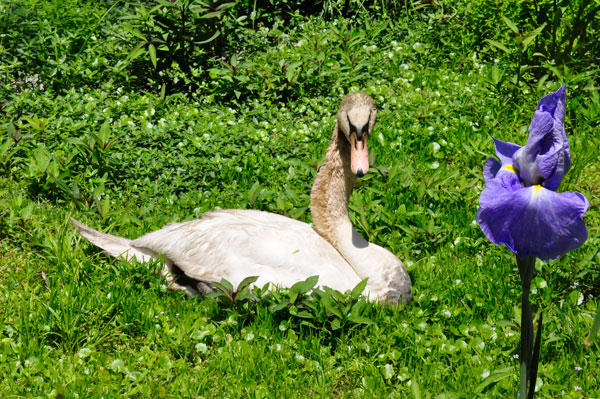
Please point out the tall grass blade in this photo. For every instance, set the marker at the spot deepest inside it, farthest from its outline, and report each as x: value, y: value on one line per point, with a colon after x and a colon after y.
x: 536, y: 358
x: 595, y: 327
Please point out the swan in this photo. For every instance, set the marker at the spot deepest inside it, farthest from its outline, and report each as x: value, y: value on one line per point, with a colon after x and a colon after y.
x: 234, y: 244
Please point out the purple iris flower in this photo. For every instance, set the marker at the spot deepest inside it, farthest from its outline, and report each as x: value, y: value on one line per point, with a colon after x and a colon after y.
x: 519, y: 206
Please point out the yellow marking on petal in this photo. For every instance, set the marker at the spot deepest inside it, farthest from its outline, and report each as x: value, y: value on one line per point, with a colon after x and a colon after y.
x: 511, y: 168
x: 537, y: 188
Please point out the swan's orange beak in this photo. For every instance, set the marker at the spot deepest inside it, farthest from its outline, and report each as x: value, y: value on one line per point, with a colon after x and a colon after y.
x: 359, y: 155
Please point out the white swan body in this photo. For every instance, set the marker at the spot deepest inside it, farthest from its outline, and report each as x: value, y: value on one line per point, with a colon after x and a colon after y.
x: 243, y: 243
x: 235, y: 244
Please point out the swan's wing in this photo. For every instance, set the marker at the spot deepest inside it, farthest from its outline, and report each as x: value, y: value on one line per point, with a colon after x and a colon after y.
x: 235, y: 244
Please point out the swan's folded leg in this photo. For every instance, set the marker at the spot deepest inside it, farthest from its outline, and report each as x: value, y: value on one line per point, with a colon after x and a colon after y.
x: 119, y: 247
x: 167, y: 272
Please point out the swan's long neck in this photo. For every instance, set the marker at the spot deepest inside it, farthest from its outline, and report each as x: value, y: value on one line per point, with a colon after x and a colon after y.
x: 329, y: 207
x: 333, y: 185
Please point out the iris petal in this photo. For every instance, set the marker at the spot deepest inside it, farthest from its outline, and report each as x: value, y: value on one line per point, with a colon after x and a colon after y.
x: 546, y: 157
x: 505, y: 151
x: 490, y: 169
x: 531, y: 221
x: 554, y: 103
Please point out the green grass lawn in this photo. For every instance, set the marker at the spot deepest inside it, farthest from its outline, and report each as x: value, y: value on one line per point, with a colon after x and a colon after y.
x: 88, y: 132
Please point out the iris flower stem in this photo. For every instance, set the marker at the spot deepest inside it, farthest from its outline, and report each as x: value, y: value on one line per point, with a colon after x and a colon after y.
x: 526, y: 269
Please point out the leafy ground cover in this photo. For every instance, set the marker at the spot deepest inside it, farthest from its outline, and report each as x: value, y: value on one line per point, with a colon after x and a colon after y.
x: 96, y: 126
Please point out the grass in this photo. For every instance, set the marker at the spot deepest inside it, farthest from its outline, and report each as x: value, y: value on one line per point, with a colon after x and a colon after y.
x: 94, y: 145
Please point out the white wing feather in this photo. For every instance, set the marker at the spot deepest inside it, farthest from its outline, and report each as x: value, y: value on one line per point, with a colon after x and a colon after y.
x: 235, y: 244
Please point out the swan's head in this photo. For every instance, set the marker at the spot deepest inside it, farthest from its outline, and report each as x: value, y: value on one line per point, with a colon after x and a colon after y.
x: 356, y: 119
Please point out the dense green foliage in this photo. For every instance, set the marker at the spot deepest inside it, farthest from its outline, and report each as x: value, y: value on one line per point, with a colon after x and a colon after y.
x: 130, y: 116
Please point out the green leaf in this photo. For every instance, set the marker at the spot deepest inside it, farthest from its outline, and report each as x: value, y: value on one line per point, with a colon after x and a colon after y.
x: 165, y: 3
x: 246, y: 282
x: 105, y: 207
x: 495, y: 377
x: 416, y: 389
x: 164, y: 362
x: 335, y: 294
x: 244, y: 295
x: 117, y: 365
x: 380, y: 138
x: 84, y: 352
x: 210, y: 39
x: 201, y: 347
x: 511, y: 25
x: 281, y: 305
x: 330, y: 307
x: 304, y: 314
x: 335, y: 324
x: 225, y: 6
x: 360, y: 319
x: 388, y: 371
x: 308, y: 324
x: 448, y: 395
x: 11, y: 130
x: 496, y: 74
x: 217, y: 294
x: 222, y: 289
x: 206, y: 330
x: 40, y: 162
x: 4, y: 149
x: 63, y: 186
x: 499, y: 45
x: 104, y: 134
x: 138, y: 34
x: 212, y: 14
x: 302, y: 287
x: 532, y: 35
x: 136, y: 52
x: 358, y: 290
x: 254, y: 192
x: 152, y: 51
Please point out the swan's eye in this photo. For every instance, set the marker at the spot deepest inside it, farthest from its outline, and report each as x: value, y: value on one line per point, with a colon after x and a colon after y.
x: 351, y: 127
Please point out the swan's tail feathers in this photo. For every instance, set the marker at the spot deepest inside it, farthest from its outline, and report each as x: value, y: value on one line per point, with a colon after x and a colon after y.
x: 112, y: 245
